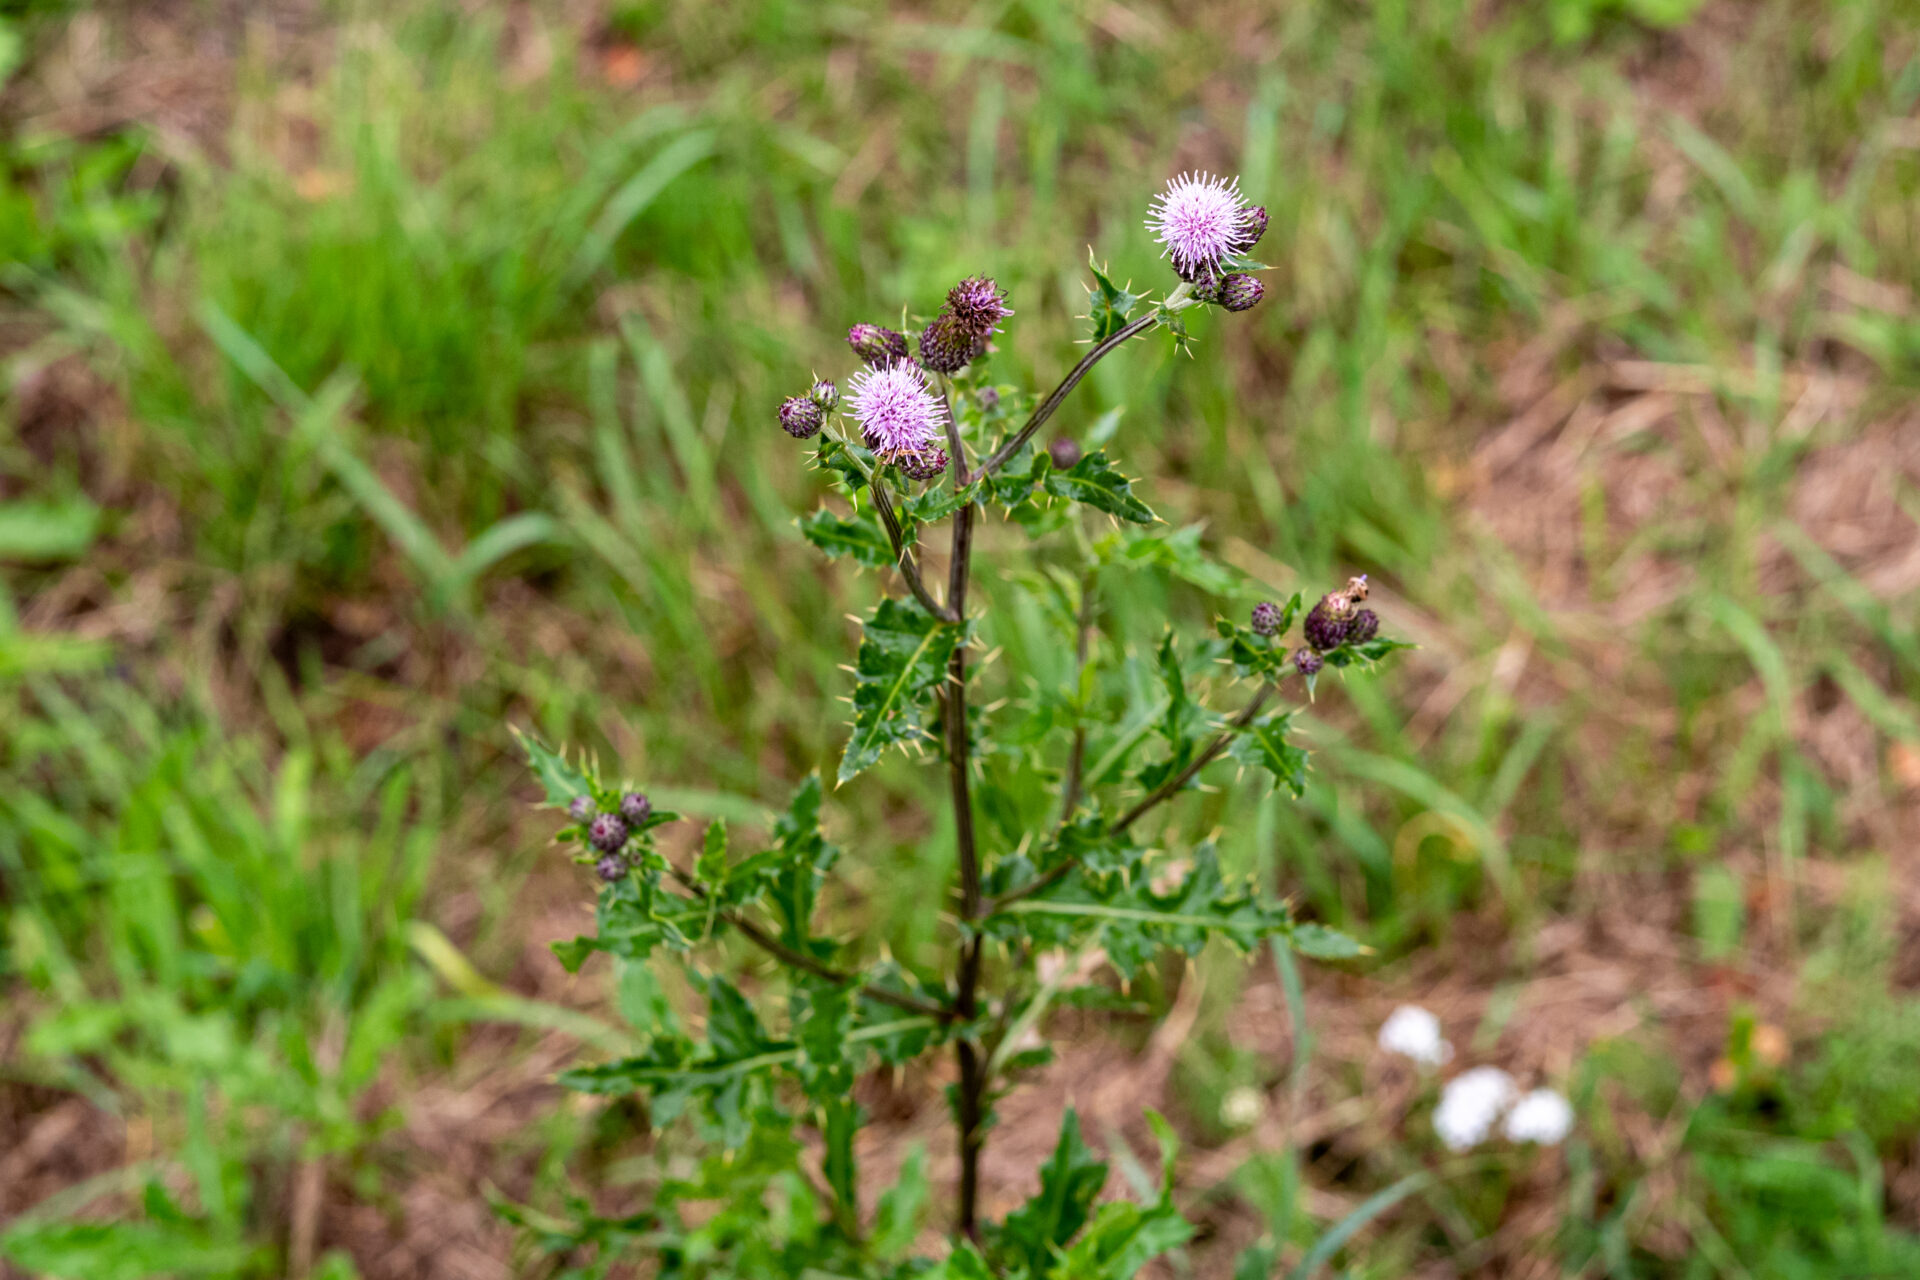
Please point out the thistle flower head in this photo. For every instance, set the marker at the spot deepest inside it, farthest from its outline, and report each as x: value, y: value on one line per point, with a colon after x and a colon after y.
x: 979, y: 304
x: 1307, y: 662
x: 1266, y: 618
x: 1200, y: 219
x: 897, y: 414
x: 635, y: 808
x: 580, y: 808
x: 923, y: 466
x: 949, y: 345
x: 611, y: 867
x: 1365, y: 625
x: 824, y: 393
x: 800, y: 417
x: 1240, y: 292
x: 1065, y: 452
x: 607, y: 833
x: 877, y: 346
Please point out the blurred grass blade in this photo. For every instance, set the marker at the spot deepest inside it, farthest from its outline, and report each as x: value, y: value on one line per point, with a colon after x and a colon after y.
x: 632, y: 199
x: 44, y: 531
x: 1372, y: 1207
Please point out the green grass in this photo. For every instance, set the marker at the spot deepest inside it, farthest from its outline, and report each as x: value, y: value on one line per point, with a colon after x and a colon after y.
x: 451, y: 408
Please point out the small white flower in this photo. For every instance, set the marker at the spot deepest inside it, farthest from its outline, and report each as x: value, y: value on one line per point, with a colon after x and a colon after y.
x: 1542, y: 1116
x: 1414, y: 1033
x: 1241, y: 1108
x: 1470, y: 1104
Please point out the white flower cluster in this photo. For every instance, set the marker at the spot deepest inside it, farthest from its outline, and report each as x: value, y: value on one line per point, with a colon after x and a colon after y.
x: 1473, y: 1102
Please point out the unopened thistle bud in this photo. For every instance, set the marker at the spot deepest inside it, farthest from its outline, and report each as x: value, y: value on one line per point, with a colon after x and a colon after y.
x: 978, y: 304
x: 1327, y: 622
x: 800, y: 417
x: 1365, y: 625
x: 1065, y: 452
x: 987, y: 398
x: 1240, y: 292
x: 824, y: 394
x: 1253, y: 225
x: 608, y: 833
x: 929, y: 465
x: 611, y: 867
x: 877, y: 346
x: 1308, y: 663
x: 580, y: 808
x: 1266, y: 619
x: 635, y: 808
x: 948, y: 345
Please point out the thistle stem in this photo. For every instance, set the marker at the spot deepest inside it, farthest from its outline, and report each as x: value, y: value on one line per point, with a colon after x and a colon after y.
x: 800, y: 960
x: 1058, y: 395
x: 972, y: 1089
x: 902, y: 553
x: 1160, y: 794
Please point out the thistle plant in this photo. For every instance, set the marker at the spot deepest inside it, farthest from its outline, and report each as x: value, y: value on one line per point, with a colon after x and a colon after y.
x: 1051, y: 790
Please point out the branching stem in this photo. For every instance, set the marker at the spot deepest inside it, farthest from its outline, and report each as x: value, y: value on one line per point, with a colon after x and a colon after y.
x: 1058, y: 395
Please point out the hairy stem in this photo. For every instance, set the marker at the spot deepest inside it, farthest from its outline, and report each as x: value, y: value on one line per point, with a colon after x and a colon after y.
x: 956, y: 449
x: 1160, y: 794
x: 972, y: 1089
x: 1058, y: 395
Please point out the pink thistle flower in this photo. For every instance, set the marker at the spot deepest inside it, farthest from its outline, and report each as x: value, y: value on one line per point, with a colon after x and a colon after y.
x: 1201, y: 220
x: 898, y: 415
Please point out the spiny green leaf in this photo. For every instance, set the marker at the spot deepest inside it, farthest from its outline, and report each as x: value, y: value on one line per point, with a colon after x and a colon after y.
x: 859, y: 536
x: 1180, y: 555
x: 711, y: 866
x: 1096, y: 482
x: 903, y: 658
x: 562, y: 781
x: 1109, y: 306
x: 1069, y: 1182
x: 1121, y: 1239
x: 1264, y: 743
x: 1321, y: 943
x: 799, y: 863
x: 1132, y: 923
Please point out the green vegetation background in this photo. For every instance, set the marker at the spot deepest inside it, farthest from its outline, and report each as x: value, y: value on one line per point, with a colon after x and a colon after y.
x: 390, y: 374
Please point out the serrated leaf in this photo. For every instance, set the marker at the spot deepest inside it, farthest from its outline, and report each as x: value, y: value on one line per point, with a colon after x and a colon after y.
x: 710, y: 868
x: 858, y: 536
x: 1264, y: 743
x: 561, y: 780
x: 1364, y: 654
x: 799, y: 863
x: 1179, y: 554
x: 1014, y: 483
x: 896, y: 1218
x: 1096, y: 482
x: 930, y: 506
x: 1321, y: 943
x: 1121, y: 1239
x: 1108, y: 305
x: 964, y: 1263
x: 1132, y: 923
x: 903, y: 658
x: 1069, y: 1182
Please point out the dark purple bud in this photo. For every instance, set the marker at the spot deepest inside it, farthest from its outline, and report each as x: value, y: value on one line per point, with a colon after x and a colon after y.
x: 580, y: 808
x: 1266, y: 618
x: 801, y: 417
x: 1253, y: 226
x: 988, y: 399
x: 978, y: 305
x: 1308, y: 663
x: 635, y: 808
x: 608, y: 833
x: 824, y: 394
x: 1327, y: 622
x: 946, y: 345
x: 929, y: 465
x: 1240, y: 292
x: 1365, y: 625
x: 610, y: 868
x: 876, y: 346
x: 1065, y: 452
